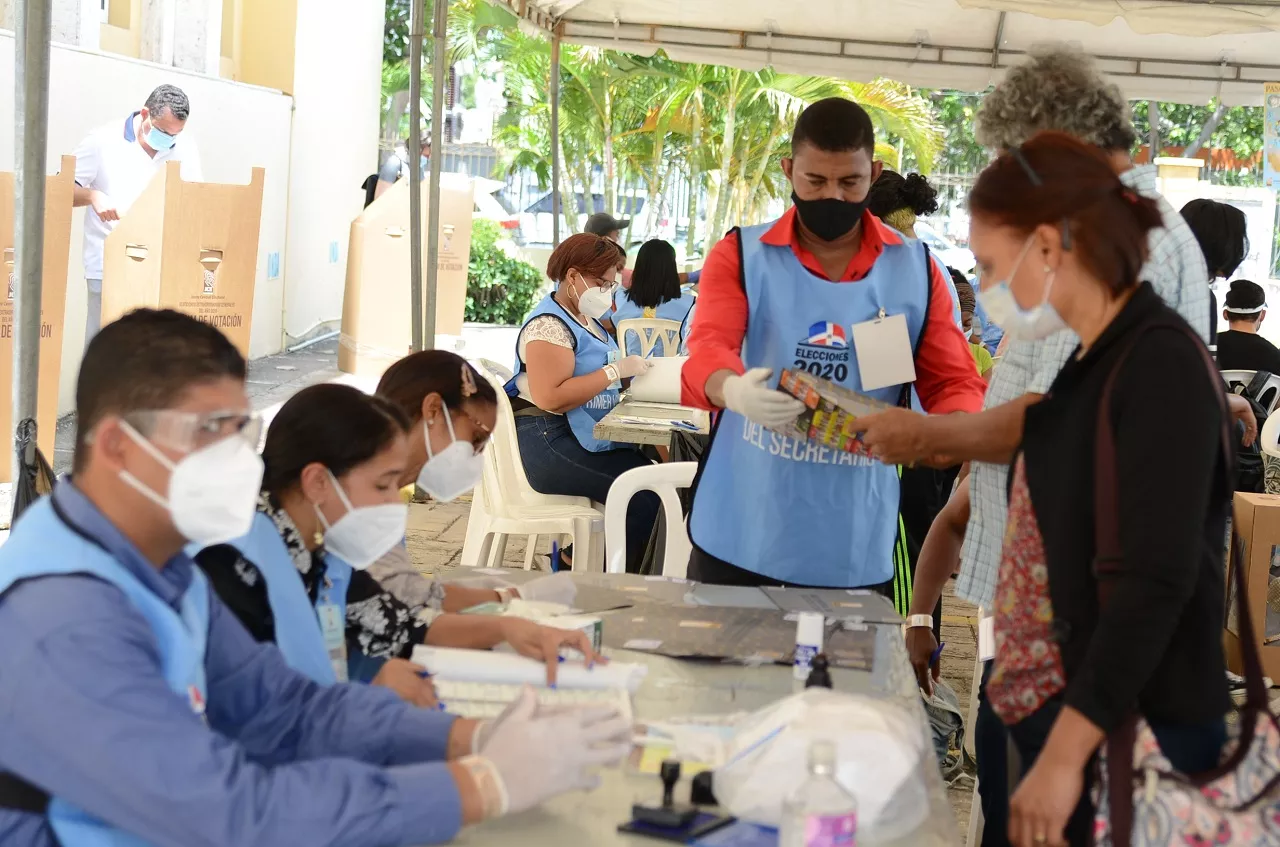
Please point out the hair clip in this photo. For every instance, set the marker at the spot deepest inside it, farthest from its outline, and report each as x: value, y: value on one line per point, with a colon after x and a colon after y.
x: 468, y: 381
x: 1129, y: 194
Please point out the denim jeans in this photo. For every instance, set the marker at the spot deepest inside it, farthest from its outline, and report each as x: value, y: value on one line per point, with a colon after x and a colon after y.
x: 556, y: 463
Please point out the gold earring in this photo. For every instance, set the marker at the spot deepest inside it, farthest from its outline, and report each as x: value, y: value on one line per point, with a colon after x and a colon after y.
x: 318, y: 538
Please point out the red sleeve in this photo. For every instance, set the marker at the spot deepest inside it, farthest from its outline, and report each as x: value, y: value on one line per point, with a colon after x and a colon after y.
x: 719, y: 323
x: 947, y: 379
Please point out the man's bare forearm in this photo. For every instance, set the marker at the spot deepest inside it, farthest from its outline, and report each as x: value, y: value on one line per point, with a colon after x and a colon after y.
x: 80, y: 196
x: 989, y: 436
x: 715, y: 386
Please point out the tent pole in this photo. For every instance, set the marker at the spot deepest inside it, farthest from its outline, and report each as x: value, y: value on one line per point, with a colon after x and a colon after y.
x: 439, y: 64
x: 416, y: 14
x: 31, y: 112
x: 555, y: 138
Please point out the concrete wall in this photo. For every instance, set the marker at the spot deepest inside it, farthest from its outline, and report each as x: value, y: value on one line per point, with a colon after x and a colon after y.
x: 337, y: 80
x: 236, y: 127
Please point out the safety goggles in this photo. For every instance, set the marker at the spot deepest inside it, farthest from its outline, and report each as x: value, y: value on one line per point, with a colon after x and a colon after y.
x: 189, y: 431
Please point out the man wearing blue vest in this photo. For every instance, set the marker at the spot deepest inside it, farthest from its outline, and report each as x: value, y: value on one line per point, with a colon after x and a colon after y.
x: 830, y: 289
x: 137, y: 710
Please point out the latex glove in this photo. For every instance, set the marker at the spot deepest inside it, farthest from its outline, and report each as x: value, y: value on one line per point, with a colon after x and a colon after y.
x: 632, y: 366
x: 553, y: 588
x: 539, y: 755
x: 750, y: 397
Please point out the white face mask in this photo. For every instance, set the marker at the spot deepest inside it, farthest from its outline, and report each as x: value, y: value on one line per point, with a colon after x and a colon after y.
x: 453, y: 472
x: 213, y: 491
x: 595, y: 302
x: 1002, y: 308
x: 363, y: 535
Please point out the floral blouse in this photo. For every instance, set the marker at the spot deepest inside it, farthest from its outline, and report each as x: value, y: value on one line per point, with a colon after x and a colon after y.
x: 378, y: 624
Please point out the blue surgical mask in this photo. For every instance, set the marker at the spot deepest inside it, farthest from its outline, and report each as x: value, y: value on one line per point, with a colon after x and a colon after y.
x: 158, y: 139
x: 1002, y: 307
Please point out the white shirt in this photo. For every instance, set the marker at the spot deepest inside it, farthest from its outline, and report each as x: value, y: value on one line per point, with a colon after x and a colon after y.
x: 111, y: 160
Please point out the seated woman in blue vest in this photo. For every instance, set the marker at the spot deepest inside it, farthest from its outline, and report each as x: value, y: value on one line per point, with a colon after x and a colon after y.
x: 654, y: 293
x: 569, y: 375
x: 452, y: 411
x: 330, y: 507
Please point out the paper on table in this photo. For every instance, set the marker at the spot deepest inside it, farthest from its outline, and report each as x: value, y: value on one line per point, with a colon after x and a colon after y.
x: 661, y: 383
x: 456, y: 664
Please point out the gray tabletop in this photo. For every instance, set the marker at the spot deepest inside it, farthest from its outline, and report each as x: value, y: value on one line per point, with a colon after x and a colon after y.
x: 634, y: 422
x: 675, y: 688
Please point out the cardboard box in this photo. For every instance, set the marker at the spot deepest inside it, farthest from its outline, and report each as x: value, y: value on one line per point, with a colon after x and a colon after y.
x: 189, y: 246
x: 1257, y: 519
x: 377, y: 326
x: 59, y: 192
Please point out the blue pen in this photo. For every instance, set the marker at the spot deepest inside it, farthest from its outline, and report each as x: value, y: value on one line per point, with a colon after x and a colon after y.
x: 937, y: 654
x: 555, y: 557
x: 427, y: 675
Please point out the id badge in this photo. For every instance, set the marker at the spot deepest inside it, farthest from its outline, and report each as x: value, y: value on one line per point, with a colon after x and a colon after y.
x: 614, y: 357
x: 883, y: 348
x: 334, y: 627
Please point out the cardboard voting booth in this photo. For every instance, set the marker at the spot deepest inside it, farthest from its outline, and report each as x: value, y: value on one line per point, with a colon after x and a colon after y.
x: 376, y: 313
x: 189, y: 246
x: 1257, y: 519
x: 59, y: 195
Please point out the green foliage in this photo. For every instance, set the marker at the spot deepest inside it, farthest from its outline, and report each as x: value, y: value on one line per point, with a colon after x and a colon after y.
x: 500, y: 289
x: 1180, y: 125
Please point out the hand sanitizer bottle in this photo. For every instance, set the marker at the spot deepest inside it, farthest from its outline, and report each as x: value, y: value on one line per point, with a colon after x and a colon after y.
x: 820, y: 812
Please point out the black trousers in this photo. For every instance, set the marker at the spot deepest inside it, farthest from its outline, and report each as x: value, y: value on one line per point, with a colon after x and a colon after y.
x: 703, y: 567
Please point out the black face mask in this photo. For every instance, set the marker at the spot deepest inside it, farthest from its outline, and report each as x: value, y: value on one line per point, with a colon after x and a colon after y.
x: 829, y: 218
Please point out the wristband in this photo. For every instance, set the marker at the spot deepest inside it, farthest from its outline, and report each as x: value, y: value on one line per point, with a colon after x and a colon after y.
x: 611, y: 372
x: 914, y: 621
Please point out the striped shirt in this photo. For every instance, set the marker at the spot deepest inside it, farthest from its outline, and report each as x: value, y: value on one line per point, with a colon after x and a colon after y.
x: 1176, y: 269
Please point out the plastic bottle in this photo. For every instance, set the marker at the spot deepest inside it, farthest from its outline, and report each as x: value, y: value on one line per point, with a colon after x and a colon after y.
x: 820, y: 812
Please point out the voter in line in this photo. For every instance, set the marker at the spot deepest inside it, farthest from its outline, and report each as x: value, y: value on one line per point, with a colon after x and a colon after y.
x: 114, y: 165
x: 1055, y: 228
x: 1058, y: 88
x: 1222, y: 231
x: 831, y: 290
x: 654, y: 293
x: 137, y: 708
x: 397, y: 166
x: 330, y: 507
x: 569, y: 374
x: 452, y: 411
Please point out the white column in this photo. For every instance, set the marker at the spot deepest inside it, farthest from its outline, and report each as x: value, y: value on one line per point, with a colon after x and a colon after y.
x: 197, y: 41
x: 158, y: 31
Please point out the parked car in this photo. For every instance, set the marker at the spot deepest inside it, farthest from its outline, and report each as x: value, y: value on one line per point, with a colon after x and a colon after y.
x: 951, y: 254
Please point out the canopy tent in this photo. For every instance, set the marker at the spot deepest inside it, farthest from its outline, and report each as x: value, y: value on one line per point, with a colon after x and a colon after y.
x: 1183, y: 51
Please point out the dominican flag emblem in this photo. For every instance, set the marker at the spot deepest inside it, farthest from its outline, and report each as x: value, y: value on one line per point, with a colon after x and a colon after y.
x: 197, y: 700
x: 827, y: 334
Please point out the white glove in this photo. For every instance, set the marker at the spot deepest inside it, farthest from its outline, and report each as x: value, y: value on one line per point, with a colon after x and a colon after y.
x: 750, y: 397
x: 553, y: 588
x: 632, y: 366
x: 538, y: 755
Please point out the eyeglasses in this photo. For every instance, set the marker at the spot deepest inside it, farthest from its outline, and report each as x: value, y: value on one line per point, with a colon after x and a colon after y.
x: 188, y: 431
x: 477, y: 444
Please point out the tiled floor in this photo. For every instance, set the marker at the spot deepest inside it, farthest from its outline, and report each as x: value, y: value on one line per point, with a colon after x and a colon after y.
x: 436, y: 533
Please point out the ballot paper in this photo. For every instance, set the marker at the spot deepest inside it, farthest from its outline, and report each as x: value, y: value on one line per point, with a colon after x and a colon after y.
x: 661, y: 383
x: 482, y: 666
x: 830, y: 412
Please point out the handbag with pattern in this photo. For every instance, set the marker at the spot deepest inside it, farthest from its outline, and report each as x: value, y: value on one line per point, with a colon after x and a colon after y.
x: 1141, y: 801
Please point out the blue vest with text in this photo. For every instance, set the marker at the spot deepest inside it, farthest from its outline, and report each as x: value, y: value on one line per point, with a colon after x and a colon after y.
x: 299, y: 633
x: 794, y: 510
x: 590, y: 354
x: 43, y: 545
x: 673, y: 310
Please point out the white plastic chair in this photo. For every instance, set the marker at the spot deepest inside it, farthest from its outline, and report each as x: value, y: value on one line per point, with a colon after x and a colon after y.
x: 1269, y: 396
x: 664, y: 480
x: 649, y: 331
x: 505, y: 504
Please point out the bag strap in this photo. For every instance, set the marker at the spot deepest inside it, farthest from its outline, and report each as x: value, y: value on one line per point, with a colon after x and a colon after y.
x: 1109, y: 554
x: 1254, y: 389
